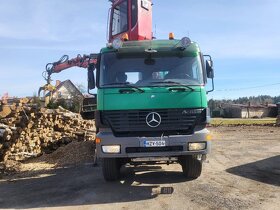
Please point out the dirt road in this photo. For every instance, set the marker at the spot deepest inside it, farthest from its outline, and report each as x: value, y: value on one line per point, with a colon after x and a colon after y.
x: 243, y: 172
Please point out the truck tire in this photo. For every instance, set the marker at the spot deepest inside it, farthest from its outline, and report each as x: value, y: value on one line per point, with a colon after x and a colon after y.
x: 191, y: 166
x: 111, y: 169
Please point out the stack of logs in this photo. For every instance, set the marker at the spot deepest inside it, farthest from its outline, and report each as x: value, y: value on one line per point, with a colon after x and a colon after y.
x: 29, y: 131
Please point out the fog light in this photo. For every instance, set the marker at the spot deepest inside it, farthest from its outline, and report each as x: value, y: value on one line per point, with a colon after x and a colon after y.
x: 111, y: 149
x: 197, y: 146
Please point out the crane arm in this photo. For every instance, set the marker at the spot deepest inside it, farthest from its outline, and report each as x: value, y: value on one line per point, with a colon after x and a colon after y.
x: 64, y: 62
x: 85, y: 61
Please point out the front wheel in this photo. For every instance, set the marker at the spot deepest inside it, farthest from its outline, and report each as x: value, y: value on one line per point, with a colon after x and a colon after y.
x: 191, y: 166
x: 111, y: 169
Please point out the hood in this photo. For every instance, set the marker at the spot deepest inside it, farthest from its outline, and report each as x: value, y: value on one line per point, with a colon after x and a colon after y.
x: 152, y: 98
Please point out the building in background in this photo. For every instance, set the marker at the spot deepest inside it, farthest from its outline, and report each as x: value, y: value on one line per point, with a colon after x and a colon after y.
x: 248, y: 111
x: 67, y: 95
x: 66, y: 90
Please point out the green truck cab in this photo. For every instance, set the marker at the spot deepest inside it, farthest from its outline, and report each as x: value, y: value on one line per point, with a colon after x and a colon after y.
x: 152, y: 105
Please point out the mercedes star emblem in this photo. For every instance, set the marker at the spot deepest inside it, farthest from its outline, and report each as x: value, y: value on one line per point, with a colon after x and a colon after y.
x: 153, y: 119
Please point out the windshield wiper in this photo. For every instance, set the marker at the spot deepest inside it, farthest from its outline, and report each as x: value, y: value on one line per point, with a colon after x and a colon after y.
x: 126, y: 84
x: 174, y: 83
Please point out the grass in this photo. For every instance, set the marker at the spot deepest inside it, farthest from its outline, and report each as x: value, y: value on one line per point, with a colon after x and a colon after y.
x: 239, y: 121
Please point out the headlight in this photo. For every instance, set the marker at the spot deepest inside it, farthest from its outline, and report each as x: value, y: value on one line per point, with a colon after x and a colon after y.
x: 197, y: 146
x: 111, y: 149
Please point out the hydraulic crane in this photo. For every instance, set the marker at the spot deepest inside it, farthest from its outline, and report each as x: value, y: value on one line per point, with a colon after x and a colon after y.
x: 85, y: 61
x: 128, y: 20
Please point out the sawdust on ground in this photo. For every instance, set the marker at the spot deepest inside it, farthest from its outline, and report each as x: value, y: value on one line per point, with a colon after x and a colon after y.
x: 72, y: 154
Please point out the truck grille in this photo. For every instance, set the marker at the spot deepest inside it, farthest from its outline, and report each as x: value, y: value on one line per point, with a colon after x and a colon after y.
x: 133, y: 122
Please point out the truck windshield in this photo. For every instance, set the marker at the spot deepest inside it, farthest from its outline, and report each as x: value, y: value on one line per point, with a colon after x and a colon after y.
x: 143, y: 70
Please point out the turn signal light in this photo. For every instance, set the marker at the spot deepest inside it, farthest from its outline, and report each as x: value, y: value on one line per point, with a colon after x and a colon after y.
x: 171, y: 36
x: 125, y: 37
x: 209, y: 137
x: 97, y: 140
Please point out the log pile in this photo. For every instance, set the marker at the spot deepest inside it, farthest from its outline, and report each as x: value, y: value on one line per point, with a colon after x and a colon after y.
x: 29, y: 131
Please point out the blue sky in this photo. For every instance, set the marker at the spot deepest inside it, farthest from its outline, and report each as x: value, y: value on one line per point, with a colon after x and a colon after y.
x: 243, y: 37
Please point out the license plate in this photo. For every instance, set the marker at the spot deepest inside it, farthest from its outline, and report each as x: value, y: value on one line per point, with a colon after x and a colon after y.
x: 154, y: 143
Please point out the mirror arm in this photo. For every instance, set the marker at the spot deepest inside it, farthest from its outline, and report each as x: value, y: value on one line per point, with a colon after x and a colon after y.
x: 209, y: 56
x: 213, y: 87
x: 90, y: 92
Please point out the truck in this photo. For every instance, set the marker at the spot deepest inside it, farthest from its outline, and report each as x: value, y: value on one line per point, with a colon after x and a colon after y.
x: 151, y: 94
x: 152, y: 105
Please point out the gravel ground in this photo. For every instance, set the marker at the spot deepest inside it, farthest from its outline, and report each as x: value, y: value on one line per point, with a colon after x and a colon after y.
x: 242, y: 172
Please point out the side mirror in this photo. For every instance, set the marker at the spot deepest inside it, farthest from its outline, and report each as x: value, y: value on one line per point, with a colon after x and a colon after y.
x: 209, y: 69
x: 91, y: 79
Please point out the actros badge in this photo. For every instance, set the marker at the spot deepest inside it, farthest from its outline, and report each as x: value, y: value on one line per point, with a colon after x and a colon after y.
x: 153, y: 119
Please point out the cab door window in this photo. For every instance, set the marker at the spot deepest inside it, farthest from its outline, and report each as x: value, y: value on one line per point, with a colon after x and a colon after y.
x: 120, y: 18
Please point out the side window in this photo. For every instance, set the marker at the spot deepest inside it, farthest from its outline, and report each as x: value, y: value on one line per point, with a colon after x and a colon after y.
x: 120, y: 23
x: 134, y: 13
x: 195, y: 71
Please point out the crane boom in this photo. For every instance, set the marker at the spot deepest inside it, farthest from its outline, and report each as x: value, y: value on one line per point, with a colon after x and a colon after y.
x: 85, y: 61
x: 63, y: 63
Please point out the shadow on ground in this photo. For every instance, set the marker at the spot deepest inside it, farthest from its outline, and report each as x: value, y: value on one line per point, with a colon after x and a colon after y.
x: 266, y: 171
x: 84, y: 185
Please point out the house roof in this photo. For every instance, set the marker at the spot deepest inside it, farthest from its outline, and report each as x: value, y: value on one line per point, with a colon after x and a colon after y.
x: 66, y: 84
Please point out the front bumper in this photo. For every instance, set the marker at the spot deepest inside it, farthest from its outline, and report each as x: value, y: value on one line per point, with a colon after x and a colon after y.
x: 127, y: 143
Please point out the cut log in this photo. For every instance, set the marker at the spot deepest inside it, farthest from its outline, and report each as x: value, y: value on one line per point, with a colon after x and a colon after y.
x: 6, y: 111
x: 24, y: 100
